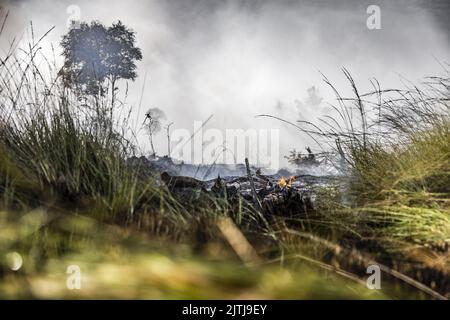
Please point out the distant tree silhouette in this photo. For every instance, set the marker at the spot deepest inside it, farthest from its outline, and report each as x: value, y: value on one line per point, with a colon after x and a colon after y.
x: 95, y: 57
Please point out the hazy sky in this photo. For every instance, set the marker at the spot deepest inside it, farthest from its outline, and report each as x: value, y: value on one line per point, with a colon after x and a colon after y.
x: 236, y: 59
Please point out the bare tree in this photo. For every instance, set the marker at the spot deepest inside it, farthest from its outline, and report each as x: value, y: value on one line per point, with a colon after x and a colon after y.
x: 152, y: 122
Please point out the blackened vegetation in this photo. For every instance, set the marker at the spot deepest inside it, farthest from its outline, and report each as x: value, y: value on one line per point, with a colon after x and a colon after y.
x: 309, y: 159
x: 277, y: 195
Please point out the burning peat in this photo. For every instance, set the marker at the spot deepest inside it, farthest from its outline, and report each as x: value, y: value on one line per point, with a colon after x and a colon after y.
x: 280, y: 193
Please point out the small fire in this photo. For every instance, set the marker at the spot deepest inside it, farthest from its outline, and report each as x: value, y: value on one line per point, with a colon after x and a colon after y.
x: 285, y: 183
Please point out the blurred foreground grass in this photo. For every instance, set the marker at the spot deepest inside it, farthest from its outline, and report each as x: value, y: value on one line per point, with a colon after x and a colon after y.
x: 120, y: 264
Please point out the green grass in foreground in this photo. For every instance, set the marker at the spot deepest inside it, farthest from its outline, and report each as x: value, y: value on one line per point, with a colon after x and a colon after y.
x: 116, y: 263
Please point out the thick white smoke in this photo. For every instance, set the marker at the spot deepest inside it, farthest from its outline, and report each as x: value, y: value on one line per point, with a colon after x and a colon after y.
x: 237, y: 59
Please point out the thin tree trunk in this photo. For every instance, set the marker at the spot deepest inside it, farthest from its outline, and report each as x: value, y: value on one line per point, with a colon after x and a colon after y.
x: 151, y: 141
x: 113, y: 98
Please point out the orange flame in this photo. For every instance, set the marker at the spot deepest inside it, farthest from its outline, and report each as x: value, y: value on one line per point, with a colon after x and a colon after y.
x: 283, y: 183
